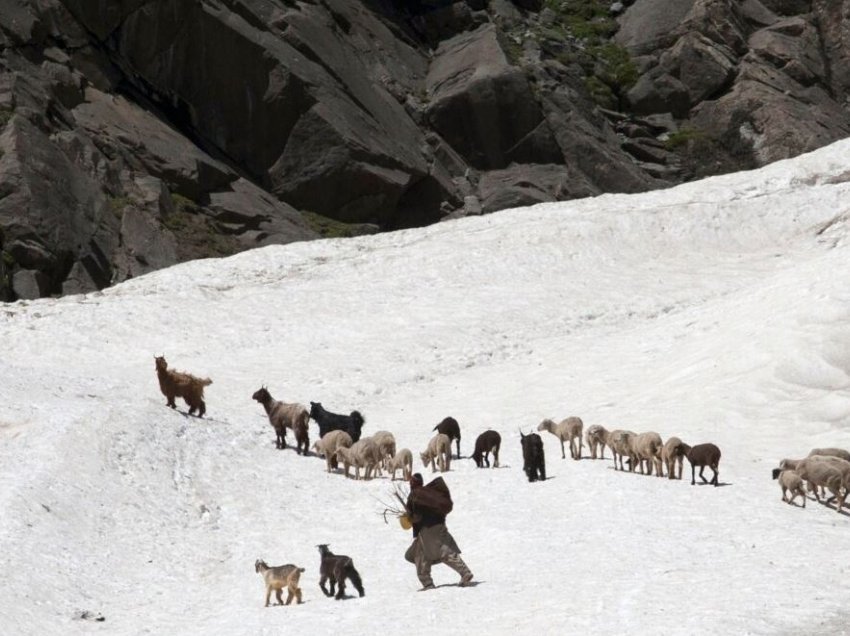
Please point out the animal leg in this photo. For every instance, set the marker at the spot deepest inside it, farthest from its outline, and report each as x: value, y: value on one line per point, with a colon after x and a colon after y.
x: 277, y: 594
x: 298, y: 595
x: 289, y: 596
x: 202, y: 408
x: 716, y: 475
x: 563, y: 455
x: 322, y: 582
x: 458, y: 447
x: 704, y: 480
x: 268, y: 594
x: 693, y: 475
x: 496, y: 458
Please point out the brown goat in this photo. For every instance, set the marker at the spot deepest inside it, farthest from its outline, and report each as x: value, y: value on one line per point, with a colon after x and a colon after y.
x: 184, y: 385
x: 703, y: 455
x: 487, y: 442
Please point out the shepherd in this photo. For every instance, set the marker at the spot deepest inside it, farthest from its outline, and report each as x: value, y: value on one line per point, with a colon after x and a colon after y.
x: 427, y: 507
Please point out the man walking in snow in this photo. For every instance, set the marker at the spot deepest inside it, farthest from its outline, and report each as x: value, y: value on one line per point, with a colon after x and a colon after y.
x: 427, y: 506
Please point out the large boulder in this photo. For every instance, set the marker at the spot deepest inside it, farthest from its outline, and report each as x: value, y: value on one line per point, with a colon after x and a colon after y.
x: 482, y: 105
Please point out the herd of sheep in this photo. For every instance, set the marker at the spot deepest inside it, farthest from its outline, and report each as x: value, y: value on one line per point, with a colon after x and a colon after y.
x: 823, y: 469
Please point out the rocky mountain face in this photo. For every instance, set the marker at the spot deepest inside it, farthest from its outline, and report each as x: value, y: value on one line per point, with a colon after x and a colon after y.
x: 135, y: 134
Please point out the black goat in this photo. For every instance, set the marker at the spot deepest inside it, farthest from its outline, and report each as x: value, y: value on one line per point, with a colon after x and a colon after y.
x: 450, y: 427
x: 533, y: 460
x: 488, y: 441
x: 328, y: 421
x: 336, y: 568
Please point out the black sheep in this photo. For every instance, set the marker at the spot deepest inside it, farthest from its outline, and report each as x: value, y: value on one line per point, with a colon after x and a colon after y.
x: 533, y: 460
x: 336, y: 568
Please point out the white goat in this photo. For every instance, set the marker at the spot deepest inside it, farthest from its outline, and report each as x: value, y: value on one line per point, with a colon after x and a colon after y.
x: 330, y: 444
x: 402, y: 461
x: 568, y: 430
x: 439, y: 449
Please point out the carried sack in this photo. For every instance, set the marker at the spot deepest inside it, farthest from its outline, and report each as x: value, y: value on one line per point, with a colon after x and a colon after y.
x: 434, y: 496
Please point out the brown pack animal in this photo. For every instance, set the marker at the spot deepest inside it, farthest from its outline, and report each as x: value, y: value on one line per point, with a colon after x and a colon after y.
x: 279, y: 577
x: 183, y: 385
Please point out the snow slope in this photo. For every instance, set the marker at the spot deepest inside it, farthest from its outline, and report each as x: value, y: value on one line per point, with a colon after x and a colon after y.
x: 716, y: 311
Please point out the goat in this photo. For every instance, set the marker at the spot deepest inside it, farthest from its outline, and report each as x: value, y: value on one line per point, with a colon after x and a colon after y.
x: 403, y: 461
x: 597, y: 437
x: 487, y: 442
x: 703, y: 455
x: 282, y: 416
x: 450, y: 427
x: 184, y: 385
x: 279, y: 577
x: 570, y: 430
x: 673, y: 453
x: 329, y: 444
x: 533, y: 459
x: 439, y: 449
x: 327, y: 421
x: 336, y: 568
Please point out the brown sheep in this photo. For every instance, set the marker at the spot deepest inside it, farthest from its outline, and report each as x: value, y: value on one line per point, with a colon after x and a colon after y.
x: 282, y: 416
x: 646, y: 447
x: 620, y: 443
x: 597, y: 438
x: 567, y: 430
x: 278, y: 577
x: 184, y: 385
x: 703, y: 455
x: 487, y: 442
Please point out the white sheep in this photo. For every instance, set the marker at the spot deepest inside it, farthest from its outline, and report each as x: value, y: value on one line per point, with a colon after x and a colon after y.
x: 619, y: 441
x: 790, y: 481
x: 439, y: 449
x: 672, y: 453
x: 402, y: 461
x: 568, y: 430
x: 386, y: 443
x: 830, y: 452
x: 830, y: 473
x: 329, y: 445
x: 597, y: 437
x: 364, y: 454
x: 646, y: 447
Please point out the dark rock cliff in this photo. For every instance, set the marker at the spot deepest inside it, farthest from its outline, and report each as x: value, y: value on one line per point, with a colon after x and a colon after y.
x: 135, y: 134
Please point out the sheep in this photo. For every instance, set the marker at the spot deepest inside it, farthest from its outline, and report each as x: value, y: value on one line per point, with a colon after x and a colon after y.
x: 488, y: 441
x: 184, y: 385
x: 799, y: 465
x: 620, y: 443
x: 703, y: 455
x: 330, y: 444
x: 597, y: 437
x: 386, y: 443
x: 830, y: 452
x: 327, y: 421
x: 790, y: 480
x: 450, y: 427
x: 336, y: 568
x: 439, y: 449
x: 673, y: 453
x: 831, y: 473
x: 362, y: 454
x: 646, y: 447
x: 533, y: 458
x: 570, y: 430
x: 403, y: 461
x: 282, y: 416
x: 278, y: 577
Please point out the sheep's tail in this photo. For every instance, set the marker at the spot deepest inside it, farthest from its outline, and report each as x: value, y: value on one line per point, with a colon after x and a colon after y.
x: 301, y: 570
x: 355, y: 415
x: 204, y: 381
